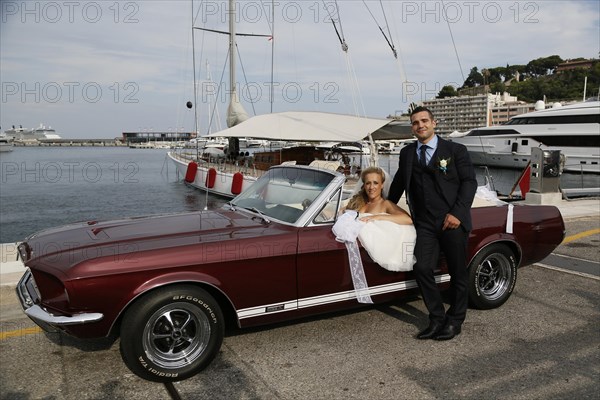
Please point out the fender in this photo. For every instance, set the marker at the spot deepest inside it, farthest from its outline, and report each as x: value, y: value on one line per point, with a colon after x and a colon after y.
x: 171, y: 279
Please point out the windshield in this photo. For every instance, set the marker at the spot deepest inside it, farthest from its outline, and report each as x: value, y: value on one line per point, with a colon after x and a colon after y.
x: 284, y: 193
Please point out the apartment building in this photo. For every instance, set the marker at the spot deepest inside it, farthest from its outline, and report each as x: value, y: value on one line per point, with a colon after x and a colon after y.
x: 502, y: 113
x: 464, y: 113
x: 461, y: 113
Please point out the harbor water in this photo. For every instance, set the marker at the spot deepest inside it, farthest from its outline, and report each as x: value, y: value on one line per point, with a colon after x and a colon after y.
x: 42, y: 187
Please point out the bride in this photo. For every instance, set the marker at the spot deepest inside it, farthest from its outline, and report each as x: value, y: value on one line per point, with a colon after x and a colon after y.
x: 387, y: 234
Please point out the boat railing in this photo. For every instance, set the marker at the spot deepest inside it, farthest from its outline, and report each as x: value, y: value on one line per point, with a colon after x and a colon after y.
x: 573, y: 193
x: 246, y: 167
x: 583, y: 188
x: 577, y: 169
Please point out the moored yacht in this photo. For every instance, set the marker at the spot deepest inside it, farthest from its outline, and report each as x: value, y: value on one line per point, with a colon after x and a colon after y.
x: 40, y: 133
x: 5, y: 143
x: 14, y: 133
x: 44, y: 132
x: 573, y: 129
x: 229, y: 179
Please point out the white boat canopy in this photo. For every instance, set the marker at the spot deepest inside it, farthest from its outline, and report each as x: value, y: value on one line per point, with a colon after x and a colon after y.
x: 305, y: 126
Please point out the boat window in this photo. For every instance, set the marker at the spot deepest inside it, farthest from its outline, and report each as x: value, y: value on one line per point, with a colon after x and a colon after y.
x: 524, y: 142
x: 570, y: 140
x: 556, y: 119
x: 492, y: 132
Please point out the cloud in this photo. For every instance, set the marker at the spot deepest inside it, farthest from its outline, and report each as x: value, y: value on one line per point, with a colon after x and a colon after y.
x: 128, y: 65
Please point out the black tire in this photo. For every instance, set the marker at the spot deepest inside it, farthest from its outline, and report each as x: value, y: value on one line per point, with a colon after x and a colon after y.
x: 492, y: 276
x: 172, y: 333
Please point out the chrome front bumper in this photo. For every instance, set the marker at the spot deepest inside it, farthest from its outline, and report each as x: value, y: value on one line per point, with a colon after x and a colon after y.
x: 30, y: 299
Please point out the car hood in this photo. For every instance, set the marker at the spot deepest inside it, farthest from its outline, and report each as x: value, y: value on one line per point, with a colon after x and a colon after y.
x: 126, y: 242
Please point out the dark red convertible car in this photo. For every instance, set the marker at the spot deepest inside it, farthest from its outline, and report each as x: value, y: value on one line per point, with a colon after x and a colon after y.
x: 168, y: 284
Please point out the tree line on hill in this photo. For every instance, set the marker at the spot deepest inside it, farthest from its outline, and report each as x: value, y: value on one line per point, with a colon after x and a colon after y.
x: 534, y: 80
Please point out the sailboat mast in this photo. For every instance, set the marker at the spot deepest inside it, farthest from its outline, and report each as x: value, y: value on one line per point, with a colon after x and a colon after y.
x: 232, y: 52
x: 195, y: 104
x: 235, y: 113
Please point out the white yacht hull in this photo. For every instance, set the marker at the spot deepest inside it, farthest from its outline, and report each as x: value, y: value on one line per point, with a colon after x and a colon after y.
x: 223, y: 183
x: 495, y: 152
x: 572, y: 129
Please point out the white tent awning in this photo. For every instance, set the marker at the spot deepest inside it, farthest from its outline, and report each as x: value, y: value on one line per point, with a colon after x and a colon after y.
x: 305, y: 126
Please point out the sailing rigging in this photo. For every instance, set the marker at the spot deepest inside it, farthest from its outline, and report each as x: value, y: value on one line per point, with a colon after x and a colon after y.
x: 230, y: 178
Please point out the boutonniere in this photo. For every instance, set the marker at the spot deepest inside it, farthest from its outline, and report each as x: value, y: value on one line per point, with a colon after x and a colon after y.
x: 443, y: 164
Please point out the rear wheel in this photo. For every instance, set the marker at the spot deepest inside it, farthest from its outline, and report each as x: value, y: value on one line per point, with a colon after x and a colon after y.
x: 172, y: 333
x: 492, y: 276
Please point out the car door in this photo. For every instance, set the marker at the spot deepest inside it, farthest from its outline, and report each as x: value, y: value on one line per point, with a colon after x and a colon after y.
x: 324, y: 274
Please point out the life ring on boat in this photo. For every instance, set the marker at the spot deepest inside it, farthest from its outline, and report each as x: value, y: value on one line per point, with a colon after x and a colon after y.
x: 236, y: 184
x: 190, y: 173
x: 211, y: 177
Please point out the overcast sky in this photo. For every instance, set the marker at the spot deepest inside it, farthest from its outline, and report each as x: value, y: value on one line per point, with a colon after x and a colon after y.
x: 93, y: 69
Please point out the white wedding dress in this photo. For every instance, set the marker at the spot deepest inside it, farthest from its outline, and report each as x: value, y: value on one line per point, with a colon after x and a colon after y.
x: 389, y: 244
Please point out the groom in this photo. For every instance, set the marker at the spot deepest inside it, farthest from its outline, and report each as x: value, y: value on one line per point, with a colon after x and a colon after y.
x: 439, y: 181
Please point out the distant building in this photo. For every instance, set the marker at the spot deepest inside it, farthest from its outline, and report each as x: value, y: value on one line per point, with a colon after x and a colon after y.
x: 579, y: 64
x: 145, y: 136
x: 463, y: 113
x: 502, y: 113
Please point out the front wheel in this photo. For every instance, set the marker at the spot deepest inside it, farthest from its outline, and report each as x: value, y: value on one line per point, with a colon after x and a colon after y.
x: 492, y: 276
x: 172, y: 333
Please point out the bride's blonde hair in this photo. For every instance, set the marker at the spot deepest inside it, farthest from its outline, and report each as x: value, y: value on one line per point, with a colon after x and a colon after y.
x: 357, y: 201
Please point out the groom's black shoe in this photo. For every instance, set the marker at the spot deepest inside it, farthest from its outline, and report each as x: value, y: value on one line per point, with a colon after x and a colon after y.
x: 431, y: 331
x: 448, y: 332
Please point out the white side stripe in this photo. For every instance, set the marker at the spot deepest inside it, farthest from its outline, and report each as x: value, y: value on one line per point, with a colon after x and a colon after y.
x: 266, y: 309
x: 261, y: 310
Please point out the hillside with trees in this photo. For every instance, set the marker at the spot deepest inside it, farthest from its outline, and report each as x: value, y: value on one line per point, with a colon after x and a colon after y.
x: 532, y: 81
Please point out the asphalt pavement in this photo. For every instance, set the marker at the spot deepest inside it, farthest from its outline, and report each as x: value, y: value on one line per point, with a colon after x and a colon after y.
x: 544, y: 343
x: 541, y: 344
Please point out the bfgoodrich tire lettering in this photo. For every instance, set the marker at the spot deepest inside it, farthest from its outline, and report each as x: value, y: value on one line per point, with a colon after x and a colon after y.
x: 172, y: 333
x: 492, y: 276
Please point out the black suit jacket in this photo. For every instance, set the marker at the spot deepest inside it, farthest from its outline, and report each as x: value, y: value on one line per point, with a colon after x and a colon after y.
x: 457, y: 184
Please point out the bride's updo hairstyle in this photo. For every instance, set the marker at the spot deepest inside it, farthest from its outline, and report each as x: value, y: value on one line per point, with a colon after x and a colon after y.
x: 360, y: 199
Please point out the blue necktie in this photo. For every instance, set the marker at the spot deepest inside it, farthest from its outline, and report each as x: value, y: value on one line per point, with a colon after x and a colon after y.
x: 423, y: 155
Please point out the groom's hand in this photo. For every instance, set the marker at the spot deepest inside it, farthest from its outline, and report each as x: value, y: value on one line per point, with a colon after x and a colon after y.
x: 451, y: 222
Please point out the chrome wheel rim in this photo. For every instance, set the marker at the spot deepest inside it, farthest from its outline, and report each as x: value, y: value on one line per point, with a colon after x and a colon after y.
x: 493, y: 276
x: 176, y: 335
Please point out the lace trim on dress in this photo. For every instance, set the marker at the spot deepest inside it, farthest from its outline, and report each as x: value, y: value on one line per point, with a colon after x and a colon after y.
x: 346, y: 230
